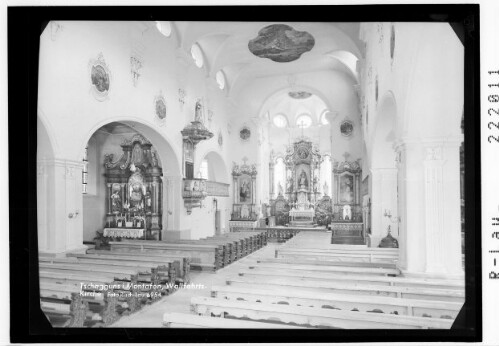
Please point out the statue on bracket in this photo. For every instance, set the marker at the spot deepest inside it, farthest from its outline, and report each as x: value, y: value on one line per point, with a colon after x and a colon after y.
x: 198, y: 112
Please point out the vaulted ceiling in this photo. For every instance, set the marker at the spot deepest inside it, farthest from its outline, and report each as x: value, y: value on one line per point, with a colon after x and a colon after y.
x: 251, y: 78
x: 225, y: 47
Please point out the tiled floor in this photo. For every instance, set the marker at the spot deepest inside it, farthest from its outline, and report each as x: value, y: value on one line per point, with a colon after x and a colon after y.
x: 152, y: 315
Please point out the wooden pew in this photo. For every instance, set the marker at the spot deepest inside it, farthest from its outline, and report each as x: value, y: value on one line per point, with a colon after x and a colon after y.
x: 298, y: 261
x: 105, y: 303
x: 182, y: 320
x: 64, y: 300
x: 228, y: 253
x: 181, y: 264
x: 135, y: 297
x: 347, y: 270
x: 293, y: 297
x: 262, y: 275
x: 370, y: 255
x: 324, y: 286
x: 203, y: 256
x: 326, y: 318
x: 156, y: 274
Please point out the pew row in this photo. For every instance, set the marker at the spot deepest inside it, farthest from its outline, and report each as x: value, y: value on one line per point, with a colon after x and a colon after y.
x: 293, y: 297
x: 203, y: 256
x: 182, y: 320
x: 347, y: 270
x: 369, y: 255
x: 181, y: 264
x: 262, y: 275
x: 306, y: 316
x: 323, y: 286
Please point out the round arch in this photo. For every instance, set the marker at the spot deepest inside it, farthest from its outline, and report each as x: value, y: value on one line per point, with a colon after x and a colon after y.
x: 278, y: 92
x: 44, y: 129
x: 218, y: 168
x: 167, y: 152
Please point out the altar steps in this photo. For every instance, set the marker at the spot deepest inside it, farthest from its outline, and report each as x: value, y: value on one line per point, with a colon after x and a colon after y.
x: 348, y: 240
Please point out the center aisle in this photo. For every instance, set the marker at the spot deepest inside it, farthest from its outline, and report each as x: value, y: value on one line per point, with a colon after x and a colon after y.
x: 152, y: 316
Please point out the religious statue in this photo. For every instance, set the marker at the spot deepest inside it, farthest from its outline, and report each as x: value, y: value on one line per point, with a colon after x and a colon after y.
x: 148, y: 201
x: 326, y: 188
x: 303, y: 180
x: 290, y: 185
x: 279, y: 188
x: 198, y: 115
x: 136, y: 188
x: 116, y: 201
x: 154, y: 159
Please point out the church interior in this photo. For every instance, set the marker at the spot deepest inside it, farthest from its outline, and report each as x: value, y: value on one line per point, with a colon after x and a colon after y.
x: 250, y: 174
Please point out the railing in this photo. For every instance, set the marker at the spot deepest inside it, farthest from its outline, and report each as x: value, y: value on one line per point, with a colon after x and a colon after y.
x: 214, y: 188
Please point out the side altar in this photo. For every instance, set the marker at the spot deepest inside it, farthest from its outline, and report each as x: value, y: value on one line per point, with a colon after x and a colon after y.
x: 134, y: 191
x: 346, y: 224
x: 244, y: 211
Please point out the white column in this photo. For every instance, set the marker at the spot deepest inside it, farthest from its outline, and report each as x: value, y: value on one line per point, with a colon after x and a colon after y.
x: 412, y: 242
x: 383, y: 198
x: 173, y: 205
x: 429, y: 205
x: 443, y: 212
x: 60, y: 205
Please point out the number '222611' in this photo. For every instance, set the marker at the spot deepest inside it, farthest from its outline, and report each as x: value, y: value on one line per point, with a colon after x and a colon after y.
x: 493, y: 111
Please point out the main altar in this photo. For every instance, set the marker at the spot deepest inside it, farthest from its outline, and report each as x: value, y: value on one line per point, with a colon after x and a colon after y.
x: 302, y: 171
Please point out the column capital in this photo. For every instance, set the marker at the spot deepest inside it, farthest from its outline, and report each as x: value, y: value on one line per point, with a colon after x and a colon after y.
x: 441, y: 141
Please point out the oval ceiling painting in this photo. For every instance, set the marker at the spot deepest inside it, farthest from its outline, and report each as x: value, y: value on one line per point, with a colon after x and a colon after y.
x: 281, y: 43
x: 299, y: 94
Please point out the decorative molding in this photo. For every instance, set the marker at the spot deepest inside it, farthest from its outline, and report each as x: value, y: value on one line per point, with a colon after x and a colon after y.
x: 182, y: 94
x: 136, y: 63
x: 55, y: 29
x: 433, y: 153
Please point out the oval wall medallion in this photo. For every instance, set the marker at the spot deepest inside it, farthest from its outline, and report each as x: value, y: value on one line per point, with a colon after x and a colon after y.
x: 100, y: 77
x: 220, y: 138
x: 160, y: 109
x: 392, y: 42
x: 245, y: 133
x: 346, y: 128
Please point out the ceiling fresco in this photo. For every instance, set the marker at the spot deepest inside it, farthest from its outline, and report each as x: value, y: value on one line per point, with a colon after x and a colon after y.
x: 299, y: 94
x: 281, y: 43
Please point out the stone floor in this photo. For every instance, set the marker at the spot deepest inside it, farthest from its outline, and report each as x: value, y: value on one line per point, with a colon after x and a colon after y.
x: 152, y: 315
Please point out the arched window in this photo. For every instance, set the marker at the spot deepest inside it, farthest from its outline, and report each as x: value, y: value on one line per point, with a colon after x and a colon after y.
x: 197, y: 55
x: 84, y: 178
x: 326, y: 175
x: 304, y: 121
x: 203, y: 169
x: 279, y: 176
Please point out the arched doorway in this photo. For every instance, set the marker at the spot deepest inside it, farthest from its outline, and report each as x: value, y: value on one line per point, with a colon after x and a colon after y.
x: 212, y: 167
x: 159, y: 195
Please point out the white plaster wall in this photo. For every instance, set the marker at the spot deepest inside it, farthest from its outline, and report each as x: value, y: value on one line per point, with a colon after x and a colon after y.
x: 72, y: 114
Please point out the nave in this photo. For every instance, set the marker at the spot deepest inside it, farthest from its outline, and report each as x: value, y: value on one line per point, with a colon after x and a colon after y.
x: 331, y: 286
